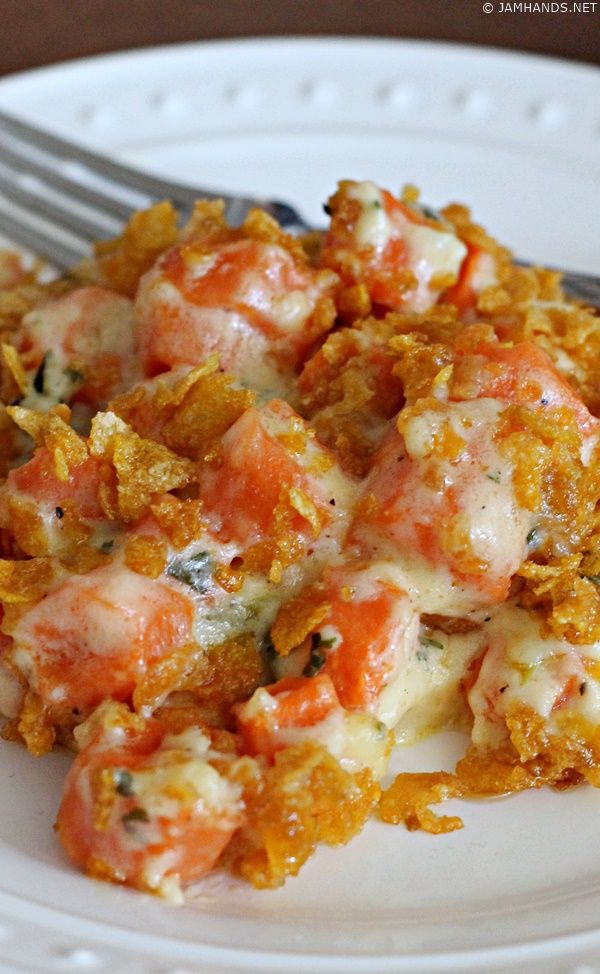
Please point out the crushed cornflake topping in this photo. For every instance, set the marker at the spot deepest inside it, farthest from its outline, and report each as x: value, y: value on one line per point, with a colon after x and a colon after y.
x: 438, y: 428
x: 25, y: 580
x: 297, y: 619
x: 143, y: 468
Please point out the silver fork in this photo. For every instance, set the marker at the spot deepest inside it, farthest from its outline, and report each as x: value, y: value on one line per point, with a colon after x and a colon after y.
x: 57, y: 198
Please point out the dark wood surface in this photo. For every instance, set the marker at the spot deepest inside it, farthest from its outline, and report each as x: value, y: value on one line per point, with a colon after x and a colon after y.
x: 37, y: 32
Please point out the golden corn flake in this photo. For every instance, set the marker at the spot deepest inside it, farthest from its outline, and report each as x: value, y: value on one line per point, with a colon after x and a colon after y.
x: 190, y: 415
x: 146, y: 555
x: 259, y: 225
x: 209, y: 407
x: 229, y: 578
x: 35, y: 725
x: 167, y: 674
x: 181, y: 520
x: 14, y: 366
x: 298, y: 618
x: 304, y: 799
x: 143, y: 468
x: 235, y: 670
x: 207, y: 225
x: 25, y: 580
x: 219, y: 674
x: 105, y: 426
x: 301, y: 502
x: 148, y: 233
x: 104, y: 796
x: 52, y: 430
x: 408, y: 797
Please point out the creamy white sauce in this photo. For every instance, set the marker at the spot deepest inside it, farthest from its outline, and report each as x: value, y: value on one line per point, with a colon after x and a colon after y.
x: 291, y: 310
x: 241, y: 348
x: 357, y: 740
x: 431, y: 698
x: 488, y: 517
x: 373, y: 227
x: 483, y: 272
x: 525, y: 665
x: 430, y: 251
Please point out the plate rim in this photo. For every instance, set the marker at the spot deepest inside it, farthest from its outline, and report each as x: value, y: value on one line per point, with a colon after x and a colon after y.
x: 494, y: 53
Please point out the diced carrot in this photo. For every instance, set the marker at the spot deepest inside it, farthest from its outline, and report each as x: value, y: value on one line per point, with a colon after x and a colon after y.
x: 524, y: 375
x: 243, y: 299
x: 170, y: 832
x: 292, y: 703
x: 38, y: 479
x: 93, y: 636
x: 432, y: 525
x: 255, y: 467
x: 370, y: 618
x: 463, y: 294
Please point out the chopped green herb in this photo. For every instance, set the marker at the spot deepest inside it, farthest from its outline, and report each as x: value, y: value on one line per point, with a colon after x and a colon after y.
x: 526, y: 672
x: 430, y: 213
x: 495, y: 476
x: 315, y: 663
x: 74, y: 375
x: 107, y: 546
x: 317, y: 657
x: 381, y: 729
x: 135, y: 815
x: 254, y: 607
x: 593, y: 578
x: 427, y: 643
x: 124, y: 784
x: 195, y: 571
x: 431, y: 643
x: 533, y: 537
x: 376, y: 204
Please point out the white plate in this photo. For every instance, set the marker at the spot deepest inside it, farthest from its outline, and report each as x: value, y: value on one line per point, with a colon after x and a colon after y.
x: 519, y: 139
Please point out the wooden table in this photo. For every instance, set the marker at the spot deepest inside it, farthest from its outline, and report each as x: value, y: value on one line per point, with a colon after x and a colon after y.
x: 36, y: 32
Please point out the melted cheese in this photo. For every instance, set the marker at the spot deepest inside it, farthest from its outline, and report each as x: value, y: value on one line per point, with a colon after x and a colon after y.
x: 373, y: 227
x: 488, y: 518
x: 525, y: 665
x: 290, y: 311
x: 357, y: 740
x: 431, y: 695
x: 431, y: 251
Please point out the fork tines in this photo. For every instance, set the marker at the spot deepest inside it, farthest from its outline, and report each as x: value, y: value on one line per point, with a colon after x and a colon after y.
x: 56, y: 198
